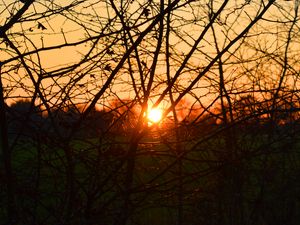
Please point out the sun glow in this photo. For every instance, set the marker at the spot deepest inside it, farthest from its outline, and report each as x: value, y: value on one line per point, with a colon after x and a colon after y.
x: 155, y: 115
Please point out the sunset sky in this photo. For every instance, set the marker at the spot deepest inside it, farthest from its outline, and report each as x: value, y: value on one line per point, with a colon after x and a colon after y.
x: 88, y: 21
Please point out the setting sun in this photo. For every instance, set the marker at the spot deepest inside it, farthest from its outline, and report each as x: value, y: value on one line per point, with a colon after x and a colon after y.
x: 155, y: 115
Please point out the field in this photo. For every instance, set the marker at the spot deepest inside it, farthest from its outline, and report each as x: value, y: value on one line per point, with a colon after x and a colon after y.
x: 235, y: 176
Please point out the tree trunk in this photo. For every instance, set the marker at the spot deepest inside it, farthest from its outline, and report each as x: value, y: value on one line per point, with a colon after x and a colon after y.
x: 6, y: 159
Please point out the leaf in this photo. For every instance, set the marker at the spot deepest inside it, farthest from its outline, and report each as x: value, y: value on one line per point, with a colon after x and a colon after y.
x: 107, y: 67
x: 146, y: 12
x: 41, y: 26
x: 110, y: 52
x: 16, y: 68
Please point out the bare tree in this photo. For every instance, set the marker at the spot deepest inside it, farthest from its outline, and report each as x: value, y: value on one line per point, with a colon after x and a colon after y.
x: 91, y: 71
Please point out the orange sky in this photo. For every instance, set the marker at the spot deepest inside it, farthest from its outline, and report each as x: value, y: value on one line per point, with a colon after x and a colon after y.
x: 59, y: 30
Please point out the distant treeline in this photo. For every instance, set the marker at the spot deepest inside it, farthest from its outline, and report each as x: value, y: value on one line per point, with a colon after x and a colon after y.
x: 26, y: 119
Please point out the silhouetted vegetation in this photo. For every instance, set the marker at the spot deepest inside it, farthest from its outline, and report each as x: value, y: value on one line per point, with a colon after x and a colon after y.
x: 235, y: 173
x: 79, y: 78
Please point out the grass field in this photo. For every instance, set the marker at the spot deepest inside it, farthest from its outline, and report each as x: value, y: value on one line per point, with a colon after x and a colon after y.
x: 251, y: 178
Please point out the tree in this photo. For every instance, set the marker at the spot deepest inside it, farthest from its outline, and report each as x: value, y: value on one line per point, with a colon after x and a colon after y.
x: 145, y: 54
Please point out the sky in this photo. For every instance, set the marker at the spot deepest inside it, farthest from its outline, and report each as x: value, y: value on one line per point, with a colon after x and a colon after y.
x: 92, y: 19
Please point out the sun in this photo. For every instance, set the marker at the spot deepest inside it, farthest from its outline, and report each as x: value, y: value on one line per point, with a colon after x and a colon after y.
x: 155, y: 115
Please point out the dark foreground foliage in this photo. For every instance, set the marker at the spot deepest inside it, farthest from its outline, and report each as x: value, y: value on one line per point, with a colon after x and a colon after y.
x: 202, y: 173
